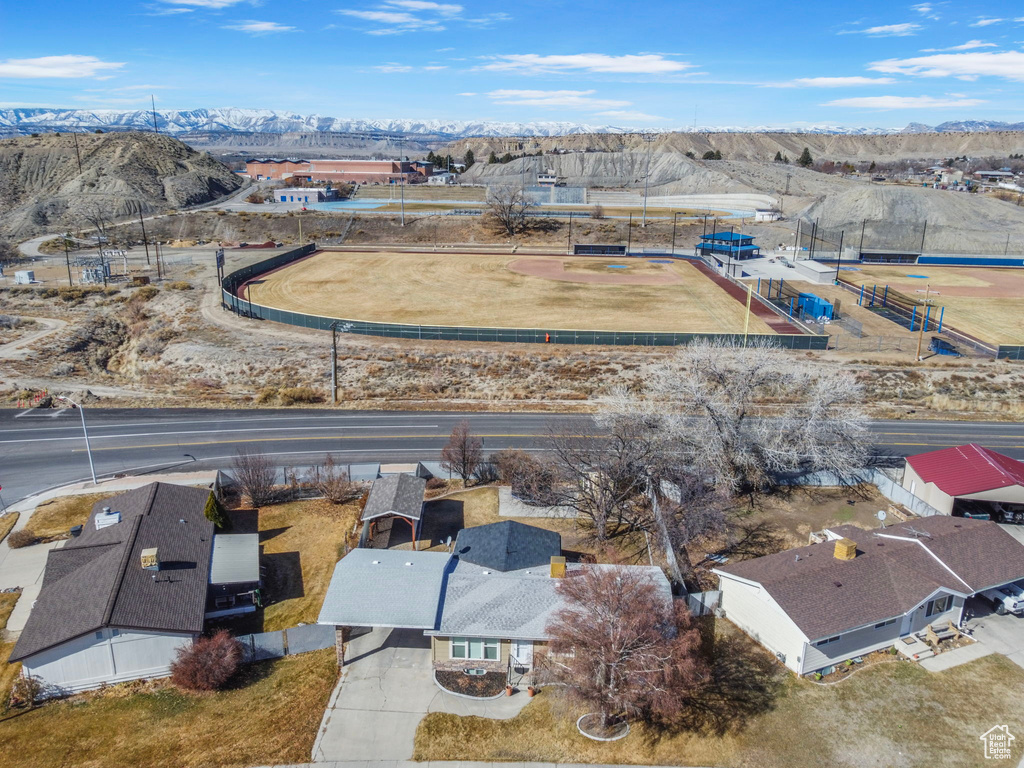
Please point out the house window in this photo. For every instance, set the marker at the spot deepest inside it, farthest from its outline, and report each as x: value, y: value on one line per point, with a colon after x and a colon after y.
x: 884, y: 624
x: 939, y: 605
x: 99, y: 635
x: 115, y: 632
x: 474, y: 648
x: 828, y: 640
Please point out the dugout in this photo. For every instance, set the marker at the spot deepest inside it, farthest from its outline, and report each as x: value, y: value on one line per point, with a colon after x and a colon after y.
x: 597, y: 249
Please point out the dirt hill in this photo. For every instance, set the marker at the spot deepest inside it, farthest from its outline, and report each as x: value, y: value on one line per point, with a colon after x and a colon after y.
x: 762, y: 147
x: 43, y: 186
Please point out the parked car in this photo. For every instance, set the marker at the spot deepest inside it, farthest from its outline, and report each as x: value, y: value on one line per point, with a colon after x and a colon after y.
x: 1008, y: 599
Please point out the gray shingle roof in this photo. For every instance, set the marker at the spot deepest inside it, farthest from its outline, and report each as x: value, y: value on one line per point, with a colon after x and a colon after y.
x: 508, y: 546
x: 893, y: 572
x: 400, y: 494
x: 516, y: 605
x: 385, y: 588
x: 97, y: 580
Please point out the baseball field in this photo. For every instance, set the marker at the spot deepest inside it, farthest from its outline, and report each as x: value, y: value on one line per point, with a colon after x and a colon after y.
x: 505, y: 290
x: 985, y: 303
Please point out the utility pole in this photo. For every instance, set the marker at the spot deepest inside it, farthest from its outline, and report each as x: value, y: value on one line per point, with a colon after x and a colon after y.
x: 839, y: 261
x: 152, y: 101
x: 568, y: 242
x: 67, y: 258
x: 675, y: 216
x: 629, y: 233
x: 920, y: 331
x: 78, y: 154
x: 924, y: 231
x: 746, y: 322
x: 334, y: 362
x: 145, y: 240
x: 649, y: 138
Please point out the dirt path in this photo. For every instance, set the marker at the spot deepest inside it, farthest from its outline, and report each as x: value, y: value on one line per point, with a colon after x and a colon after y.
x: 17, y: 350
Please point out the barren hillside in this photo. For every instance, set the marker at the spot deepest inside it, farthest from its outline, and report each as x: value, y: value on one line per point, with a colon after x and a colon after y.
x: 763, y: 146
x: 43, y: 186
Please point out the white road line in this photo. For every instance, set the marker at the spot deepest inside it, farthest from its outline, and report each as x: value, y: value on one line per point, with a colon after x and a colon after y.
x: 229, y: 420
x: 220, y: 431
x: 24, y: 413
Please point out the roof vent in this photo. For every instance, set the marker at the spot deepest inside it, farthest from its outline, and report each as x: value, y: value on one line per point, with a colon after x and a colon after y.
x: 106, y: 518
x: 375, y: 562
x: 151, y: 559
x: 845, y: 549
x: 408, y: 563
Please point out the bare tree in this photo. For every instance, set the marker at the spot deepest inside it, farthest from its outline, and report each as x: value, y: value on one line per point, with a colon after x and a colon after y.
x: 597, y: 212
x: 509, y: 206
x: 255, y: 475
x: 463, y: 452
x: 742, y: 416
x: 334, y: 483
x: 622, y: 647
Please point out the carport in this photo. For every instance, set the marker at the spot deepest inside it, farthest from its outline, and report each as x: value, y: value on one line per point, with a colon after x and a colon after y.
x: 968, y: 481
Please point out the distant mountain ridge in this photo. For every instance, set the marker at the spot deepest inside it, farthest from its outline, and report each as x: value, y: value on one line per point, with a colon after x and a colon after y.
x: 22, y: 121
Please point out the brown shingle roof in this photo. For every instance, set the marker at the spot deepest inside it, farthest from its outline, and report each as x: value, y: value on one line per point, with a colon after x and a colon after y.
x: 97, y: 580
x: 895, y: 569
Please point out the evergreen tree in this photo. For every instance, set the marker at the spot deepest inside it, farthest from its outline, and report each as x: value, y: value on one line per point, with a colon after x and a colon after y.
x: 691, y: 155
x: 872, y: 166
x: 709, y: 155
x: 214, y: 512
x: 778, y: 157
x: 805, y: 160
x: 492, y: 159
x: 506, y: 158
x: 718, y: 154
x: 431, y: 158
x: 469, y: 158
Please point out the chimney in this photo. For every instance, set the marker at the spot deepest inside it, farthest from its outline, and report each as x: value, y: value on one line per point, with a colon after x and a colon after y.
x: 106, y: 518
x: 846, y: 549
x: 557, y: 567
x: 150, y: 559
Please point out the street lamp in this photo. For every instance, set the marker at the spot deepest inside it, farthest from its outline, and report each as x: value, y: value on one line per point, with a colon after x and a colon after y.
x: 85, y: 430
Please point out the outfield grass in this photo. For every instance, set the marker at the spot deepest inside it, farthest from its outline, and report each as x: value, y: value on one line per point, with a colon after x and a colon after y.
x: 480, y: 290
x: 985, y: 303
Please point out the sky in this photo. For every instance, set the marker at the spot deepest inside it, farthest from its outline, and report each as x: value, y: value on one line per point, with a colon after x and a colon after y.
x: 655, y: 64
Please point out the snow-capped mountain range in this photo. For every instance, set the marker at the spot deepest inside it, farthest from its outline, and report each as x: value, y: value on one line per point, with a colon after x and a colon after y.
x: 28, y: 120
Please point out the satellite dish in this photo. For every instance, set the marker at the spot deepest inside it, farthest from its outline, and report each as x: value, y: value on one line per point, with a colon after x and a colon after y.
x: 448, y: 543
x: 881, y: 514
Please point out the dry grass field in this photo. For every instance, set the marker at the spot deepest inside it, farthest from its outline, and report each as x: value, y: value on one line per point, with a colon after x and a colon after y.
x: 480, y: 290
x: 986, y: 303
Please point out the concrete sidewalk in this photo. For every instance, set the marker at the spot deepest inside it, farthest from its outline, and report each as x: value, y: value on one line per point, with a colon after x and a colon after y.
x: 448, y: 764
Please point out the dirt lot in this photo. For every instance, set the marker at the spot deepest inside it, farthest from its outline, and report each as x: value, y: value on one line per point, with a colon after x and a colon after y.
x: 985, y: 303
x: 481, y: 290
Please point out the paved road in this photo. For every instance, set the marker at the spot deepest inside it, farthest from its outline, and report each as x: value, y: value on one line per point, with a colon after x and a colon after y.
x: 41, y: 449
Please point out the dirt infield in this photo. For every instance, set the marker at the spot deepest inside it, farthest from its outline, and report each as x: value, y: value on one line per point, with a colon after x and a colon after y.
x: 983, y: 302
x: 461, y: 289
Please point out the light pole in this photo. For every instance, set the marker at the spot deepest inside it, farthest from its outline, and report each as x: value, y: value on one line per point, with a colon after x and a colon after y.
x: 85, y: 430
x: 649, y: 138
x: 675, y: 216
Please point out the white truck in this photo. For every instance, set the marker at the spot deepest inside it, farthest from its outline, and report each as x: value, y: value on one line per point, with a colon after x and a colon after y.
x: 1006, y: 599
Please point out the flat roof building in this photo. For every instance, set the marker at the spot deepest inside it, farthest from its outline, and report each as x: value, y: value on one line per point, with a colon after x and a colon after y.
x: 732, y: 244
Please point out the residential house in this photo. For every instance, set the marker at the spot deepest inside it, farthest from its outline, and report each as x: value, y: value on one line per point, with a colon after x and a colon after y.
x: 485, y: 606
x: 119, y: 600
x: 862, y: 591
x: 968, y: 480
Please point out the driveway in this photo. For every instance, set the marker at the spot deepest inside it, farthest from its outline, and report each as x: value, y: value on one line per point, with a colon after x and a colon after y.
x: 386, y: 689
x: 1001, y: 634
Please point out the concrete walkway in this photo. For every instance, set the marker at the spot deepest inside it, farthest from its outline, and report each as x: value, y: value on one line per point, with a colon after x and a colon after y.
x: 386, y: 688
x: 24, y: 567
x: 956, y: 657
x: 447, y: 764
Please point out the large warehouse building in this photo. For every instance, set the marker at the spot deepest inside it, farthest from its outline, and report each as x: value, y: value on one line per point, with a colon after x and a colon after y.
x: 350, y: 171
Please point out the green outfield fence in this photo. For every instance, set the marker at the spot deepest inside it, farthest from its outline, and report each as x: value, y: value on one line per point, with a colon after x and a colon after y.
x: 233, y: 281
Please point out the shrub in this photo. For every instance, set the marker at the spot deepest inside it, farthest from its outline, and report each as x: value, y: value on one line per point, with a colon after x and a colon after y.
x: 292, y: 395
x: 436, y: 483
x: 180, y: 285
x: 208, y: 664
x: 22, y: 538
x: 145, y: 293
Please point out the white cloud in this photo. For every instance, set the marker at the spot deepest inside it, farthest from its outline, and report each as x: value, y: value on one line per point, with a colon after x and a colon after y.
x: 626, y: 114
x: 468, y: 93
x: 434, y: 67
x: 532, y: 63
x: 57, y: 66
x: 887, y: 30
x: 927, y: 10
x: 966, y: 66
x: 834, y: 82
x: 422, y: 5
x: 984, y: 22
x: 567, y: 99
x: 903, y: 102
x: 392, y: 66
x: 970, y: 45
x: 213, y: 4
x: 259, y: 27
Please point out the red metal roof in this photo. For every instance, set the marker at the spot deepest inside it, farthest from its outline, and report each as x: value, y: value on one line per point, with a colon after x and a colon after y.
x: 967, y: 469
